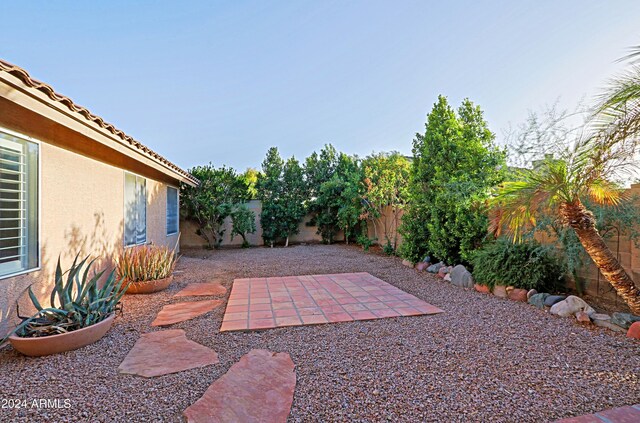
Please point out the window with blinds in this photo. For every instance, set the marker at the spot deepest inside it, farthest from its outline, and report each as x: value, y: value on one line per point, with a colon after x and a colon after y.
x: 172, y: 211
x: 135, y: 209
x: 18, y: 204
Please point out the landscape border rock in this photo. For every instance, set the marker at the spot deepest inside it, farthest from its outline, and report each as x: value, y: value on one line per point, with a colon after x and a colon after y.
x: 570, y: 306
x: 461, y: 277
x: 553, y: 299
x: 537, y: 300
x: 624, y: 320
x: 499, y: 291
x: 634, y: 331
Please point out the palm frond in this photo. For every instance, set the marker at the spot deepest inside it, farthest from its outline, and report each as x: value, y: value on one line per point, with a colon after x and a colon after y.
x: 515, y: 205
x: 613, y: 137
x: 633, y: 56
x: 605, y: 192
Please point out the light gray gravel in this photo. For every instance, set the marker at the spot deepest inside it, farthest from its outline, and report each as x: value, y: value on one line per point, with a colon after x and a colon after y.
x: 484, y: 359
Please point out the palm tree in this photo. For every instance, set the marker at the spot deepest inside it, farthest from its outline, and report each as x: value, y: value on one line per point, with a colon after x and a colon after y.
x: 605, y: 151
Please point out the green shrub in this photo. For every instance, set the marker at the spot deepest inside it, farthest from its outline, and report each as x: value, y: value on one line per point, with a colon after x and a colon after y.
x: 366, y: 242
x: 527, y: 265
x: 146, y: 263
x: 388, y: 249
x: 244, y: 222
x: 212, y: 201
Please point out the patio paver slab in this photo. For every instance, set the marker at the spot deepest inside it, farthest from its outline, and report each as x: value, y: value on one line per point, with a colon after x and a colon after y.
x: 202, y: 289
x: 258, y: 388
x: 628, y: 414
x: 316, y: 299
x: 179, y: 312
x: 163, y: 352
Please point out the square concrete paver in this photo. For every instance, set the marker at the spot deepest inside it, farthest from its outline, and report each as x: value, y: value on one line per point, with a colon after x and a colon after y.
x: 264, y: 303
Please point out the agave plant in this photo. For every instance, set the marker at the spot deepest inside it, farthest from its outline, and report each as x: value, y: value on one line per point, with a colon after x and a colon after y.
x: 146, y: 263
x: 76, y: 301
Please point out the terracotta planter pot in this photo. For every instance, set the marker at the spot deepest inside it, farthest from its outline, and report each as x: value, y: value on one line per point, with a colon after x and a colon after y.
x: 54, y: 344
x: 482, y: 288
x: 148, y: 287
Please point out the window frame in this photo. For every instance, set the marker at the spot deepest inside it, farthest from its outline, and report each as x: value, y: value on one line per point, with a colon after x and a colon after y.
x: 38, y: 249
x: 124, y: 210
x: 177, y: 231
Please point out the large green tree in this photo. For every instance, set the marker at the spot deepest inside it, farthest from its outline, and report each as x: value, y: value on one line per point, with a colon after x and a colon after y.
x: 336, y: 188
x: 283, y: 192
x: 319, y: 168
x: 269, y: 190
x: 455, y: 164
x: 212, y: 201
x: 294, y: 197
x: 386, y: 178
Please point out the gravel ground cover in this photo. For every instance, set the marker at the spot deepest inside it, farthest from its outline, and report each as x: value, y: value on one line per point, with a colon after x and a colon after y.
x: 484, y: 359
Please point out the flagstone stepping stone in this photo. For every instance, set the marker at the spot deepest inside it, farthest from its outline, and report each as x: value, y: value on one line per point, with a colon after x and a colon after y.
x: 197, y: 289
x: 258, y: 388
x: 163, y: 352
x: 179, y: 312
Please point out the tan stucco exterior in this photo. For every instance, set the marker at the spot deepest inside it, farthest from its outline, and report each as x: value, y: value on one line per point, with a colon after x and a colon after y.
x: 82, y: 170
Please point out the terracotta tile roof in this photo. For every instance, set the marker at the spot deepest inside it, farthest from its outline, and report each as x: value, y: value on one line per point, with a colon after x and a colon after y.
x: 26, y: 79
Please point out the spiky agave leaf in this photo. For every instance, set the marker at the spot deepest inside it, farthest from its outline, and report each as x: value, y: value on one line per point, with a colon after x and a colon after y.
x: 34, y: 300
x: 88, y: 306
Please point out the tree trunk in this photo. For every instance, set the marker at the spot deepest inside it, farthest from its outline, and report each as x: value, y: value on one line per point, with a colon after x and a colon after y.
x: 395, y: 228
x: 286, y: 243
x: 583, y: 223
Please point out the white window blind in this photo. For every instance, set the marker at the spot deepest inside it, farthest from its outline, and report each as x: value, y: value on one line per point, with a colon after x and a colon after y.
x: 172, y: 211
x: 135, y: 209
x: 18, y: 204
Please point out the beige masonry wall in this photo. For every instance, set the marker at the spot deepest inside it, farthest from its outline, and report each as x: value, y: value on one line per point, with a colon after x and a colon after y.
x: 307, y: 234
x: 622, y: 246
x: 82, y: 211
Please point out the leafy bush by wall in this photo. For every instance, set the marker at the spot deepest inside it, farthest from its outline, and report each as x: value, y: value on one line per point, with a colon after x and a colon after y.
x: 212, y: 201
x: 527, y: 265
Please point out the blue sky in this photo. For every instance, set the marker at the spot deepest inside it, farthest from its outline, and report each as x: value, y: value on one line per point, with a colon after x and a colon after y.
x: 224, y: 81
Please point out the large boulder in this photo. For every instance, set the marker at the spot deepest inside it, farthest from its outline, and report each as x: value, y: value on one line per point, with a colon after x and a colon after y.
x: 624, y: 320
x: 571, y: 306
x: 461, y: 277
x: 538, y: 299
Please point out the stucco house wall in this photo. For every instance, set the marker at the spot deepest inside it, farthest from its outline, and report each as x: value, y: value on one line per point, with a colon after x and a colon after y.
x: 82, y: 167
